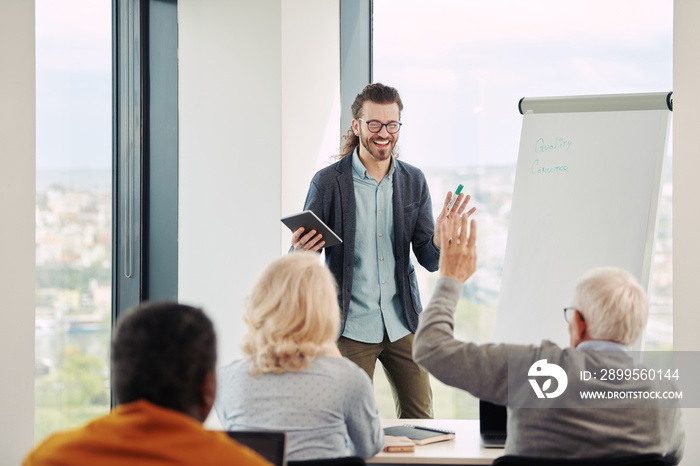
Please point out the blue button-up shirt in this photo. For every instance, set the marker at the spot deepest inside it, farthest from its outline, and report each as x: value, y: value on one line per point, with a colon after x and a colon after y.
x: 603, y: 346
x: 375, y: 305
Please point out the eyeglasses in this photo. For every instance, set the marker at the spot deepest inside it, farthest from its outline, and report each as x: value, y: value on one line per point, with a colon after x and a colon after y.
x: 375, y: 126
x: 569, y: 313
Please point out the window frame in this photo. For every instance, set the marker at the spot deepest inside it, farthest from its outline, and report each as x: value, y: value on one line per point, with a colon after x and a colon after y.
x: 355, y: 53
x: 145, y: 154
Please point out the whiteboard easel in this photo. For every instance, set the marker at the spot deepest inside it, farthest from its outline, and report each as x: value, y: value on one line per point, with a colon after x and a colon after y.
x: 587, y: 191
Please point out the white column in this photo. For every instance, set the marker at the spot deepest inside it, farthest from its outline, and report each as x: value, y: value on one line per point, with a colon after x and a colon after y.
x: 17, y: 228
x: 259, y: 114
x: 686, y: 197
x: 229, y: 155
x: 310, y: 97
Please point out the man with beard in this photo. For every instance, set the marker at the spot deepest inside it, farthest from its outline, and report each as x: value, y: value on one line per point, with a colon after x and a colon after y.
x: 380, y: 207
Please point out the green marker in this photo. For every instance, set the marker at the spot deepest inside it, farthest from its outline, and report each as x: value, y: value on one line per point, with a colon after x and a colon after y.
x: 454, y: 198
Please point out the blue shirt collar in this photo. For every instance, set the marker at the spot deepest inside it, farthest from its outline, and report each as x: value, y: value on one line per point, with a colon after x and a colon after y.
x: 603, y: 346
x: 361, y: 171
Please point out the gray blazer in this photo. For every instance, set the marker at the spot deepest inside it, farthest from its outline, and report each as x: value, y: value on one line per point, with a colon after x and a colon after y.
x: 331, y: 196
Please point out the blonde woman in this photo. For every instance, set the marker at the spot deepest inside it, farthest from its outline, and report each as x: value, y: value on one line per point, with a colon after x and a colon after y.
x: 293, y: 377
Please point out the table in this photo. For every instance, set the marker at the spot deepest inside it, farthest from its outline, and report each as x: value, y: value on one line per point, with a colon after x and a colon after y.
x: 464, y: 449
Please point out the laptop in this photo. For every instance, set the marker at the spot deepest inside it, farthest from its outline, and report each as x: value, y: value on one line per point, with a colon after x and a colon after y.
x: 271, y: 445
x: 492, y: 424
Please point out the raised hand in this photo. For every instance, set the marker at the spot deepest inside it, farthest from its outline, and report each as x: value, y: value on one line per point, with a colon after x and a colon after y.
x: 458, y: 248
x: 456, y: 211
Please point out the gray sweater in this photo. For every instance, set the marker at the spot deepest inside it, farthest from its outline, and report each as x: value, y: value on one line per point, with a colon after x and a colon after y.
x: 624, y: 428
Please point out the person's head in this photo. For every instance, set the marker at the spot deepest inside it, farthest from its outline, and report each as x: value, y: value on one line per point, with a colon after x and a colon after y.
x: 292, y: 314
x: 611, y: 306
x: 165, y: 353
x: 376, y: 103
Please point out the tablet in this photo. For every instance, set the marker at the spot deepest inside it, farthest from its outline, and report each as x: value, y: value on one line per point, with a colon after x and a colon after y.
x: 310, y: 221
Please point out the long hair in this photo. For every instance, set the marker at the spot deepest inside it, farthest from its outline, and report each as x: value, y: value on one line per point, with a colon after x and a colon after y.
x: 292, y: 314
x: 377, y: 93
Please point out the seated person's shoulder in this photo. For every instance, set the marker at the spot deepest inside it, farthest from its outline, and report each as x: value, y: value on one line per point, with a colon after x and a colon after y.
x: 96, y: 444
x: 56, y: 446
x: 334, y: 363
x: 237, y: 367
x: 545, y: 349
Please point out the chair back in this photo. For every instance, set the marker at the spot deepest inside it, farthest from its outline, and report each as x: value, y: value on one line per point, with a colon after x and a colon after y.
x: 647, y: 459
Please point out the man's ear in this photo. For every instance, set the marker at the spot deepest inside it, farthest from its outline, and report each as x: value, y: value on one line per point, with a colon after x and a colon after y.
x: 208, y: 394
x: 580, y: 329
x: 356, y: 127
x: 581, y: 324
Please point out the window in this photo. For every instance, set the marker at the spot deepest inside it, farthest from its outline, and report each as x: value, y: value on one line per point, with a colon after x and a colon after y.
x: 461, y: 68
x: 73, y: 212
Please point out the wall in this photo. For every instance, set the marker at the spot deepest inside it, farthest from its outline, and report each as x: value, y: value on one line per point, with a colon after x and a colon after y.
x: 247, y: 66
x: 229, y: 154
x: 686, y: 215
x: 17, y: 205
x: 310, y: 97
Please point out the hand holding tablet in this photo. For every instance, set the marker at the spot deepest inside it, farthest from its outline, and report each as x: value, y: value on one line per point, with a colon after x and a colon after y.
x: 315, y: 234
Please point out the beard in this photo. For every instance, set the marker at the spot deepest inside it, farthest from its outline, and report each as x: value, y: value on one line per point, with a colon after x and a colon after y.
x: 378, y: 152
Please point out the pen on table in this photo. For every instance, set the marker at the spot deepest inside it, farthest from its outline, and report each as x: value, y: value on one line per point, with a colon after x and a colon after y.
x: 454, y: 198
x: 434, y: 430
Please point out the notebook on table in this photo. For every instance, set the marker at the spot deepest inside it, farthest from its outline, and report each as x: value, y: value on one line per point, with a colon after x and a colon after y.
x: 398, y: 444
x: 420, y: 435
x: 493, y: 420
x: 271, y: 445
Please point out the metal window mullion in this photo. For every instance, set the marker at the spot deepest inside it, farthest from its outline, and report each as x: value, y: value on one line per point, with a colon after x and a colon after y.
x: 127, y: 274
x: 355, y: 53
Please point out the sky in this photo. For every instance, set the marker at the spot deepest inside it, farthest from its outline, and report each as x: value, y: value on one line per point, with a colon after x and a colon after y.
x: 460, y: 65
x: 74, y: 84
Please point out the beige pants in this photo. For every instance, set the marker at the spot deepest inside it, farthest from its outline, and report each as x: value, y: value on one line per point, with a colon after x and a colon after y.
x: 409, y: 383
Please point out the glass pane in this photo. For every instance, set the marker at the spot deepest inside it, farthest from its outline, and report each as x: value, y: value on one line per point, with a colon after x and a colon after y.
x: 461, y: 68
x: 73, y: 212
